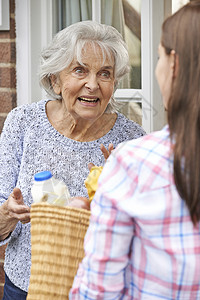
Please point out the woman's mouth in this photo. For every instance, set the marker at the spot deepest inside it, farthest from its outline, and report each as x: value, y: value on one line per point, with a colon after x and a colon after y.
x: 84, y: 99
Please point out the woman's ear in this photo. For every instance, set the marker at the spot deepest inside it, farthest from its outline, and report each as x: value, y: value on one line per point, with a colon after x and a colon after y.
x: 55, y: 84
x: 175, y: 63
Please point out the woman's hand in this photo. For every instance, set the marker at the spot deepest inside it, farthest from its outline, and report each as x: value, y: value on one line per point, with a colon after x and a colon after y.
x: 106, y: 153
x: 12, y: 211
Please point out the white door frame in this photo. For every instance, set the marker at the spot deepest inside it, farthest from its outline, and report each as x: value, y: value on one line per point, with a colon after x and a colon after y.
x: 33, y: 32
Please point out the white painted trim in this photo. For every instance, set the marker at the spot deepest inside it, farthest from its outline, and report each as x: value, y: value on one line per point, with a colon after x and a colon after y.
x: 46, y: 22
x: 23, y: 66
x: 152, y: 15
x: 145, y: 62
x: 33, y: 32
x: 128, y: 95
x: 1, y: 13
x: 4, y: 15
x: 96, y: 10
x: 46, y: 28
x: 157, y: 15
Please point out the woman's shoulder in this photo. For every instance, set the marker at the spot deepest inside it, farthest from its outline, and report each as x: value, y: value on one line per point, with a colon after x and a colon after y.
x: 26, y: 112
x: 145, y: 156
x: 157, y: 142
x: 128, y: 127
x: 28, y: 108
x: 20, y: 118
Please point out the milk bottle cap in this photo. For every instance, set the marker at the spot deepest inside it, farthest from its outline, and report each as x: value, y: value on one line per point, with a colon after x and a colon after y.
x: 41, y: 176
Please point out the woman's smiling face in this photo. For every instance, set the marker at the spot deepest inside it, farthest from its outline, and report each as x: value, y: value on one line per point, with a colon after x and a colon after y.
x: 86, y: 88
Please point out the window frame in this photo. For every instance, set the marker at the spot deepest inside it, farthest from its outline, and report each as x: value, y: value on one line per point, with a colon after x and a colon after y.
x: 4, y: 15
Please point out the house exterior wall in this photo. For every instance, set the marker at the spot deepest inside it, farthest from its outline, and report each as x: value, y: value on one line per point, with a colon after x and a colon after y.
x: 8, y: 68
x: 2, y: 251
x: 7, y: 91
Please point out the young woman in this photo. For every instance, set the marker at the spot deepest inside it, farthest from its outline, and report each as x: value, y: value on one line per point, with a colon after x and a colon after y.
x: 143, y: 241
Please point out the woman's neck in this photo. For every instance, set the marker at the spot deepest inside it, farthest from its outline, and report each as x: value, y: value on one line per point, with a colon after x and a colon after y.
x: 78, y: 129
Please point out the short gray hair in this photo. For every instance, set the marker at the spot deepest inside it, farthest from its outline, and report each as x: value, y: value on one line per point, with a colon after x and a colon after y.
x: 69, y: 43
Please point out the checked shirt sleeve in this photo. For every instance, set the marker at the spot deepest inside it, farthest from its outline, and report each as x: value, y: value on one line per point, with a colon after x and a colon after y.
x: 103, y: 272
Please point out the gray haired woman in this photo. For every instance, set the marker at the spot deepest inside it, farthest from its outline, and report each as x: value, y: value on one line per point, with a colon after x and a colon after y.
x: 76, y: 124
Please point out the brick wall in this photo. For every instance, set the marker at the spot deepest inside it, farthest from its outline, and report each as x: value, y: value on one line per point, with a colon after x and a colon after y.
x: 8, y: 67
x: 7, y: 90
x: 2, y: 251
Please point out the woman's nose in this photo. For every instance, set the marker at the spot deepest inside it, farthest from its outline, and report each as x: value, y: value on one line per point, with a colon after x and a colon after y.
x: 92, y: 82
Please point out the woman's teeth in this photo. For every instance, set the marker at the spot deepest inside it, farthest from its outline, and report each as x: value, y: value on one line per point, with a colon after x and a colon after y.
x: 87, y: 99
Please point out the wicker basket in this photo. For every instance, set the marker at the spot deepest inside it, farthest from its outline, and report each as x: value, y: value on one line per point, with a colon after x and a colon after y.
x: 57, y: 236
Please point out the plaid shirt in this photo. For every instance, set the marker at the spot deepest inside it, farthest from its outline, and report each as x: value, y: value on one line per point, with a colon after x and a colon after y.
x: 141, y: 243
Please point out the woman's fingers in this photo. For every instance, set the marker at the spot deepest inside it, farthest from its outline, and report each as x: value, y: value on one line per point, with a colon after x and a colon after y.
x: 90, y: 165
x: 106, y: 153
x: 17, y: 194
x: 110, y: 148
x: 16, y: 207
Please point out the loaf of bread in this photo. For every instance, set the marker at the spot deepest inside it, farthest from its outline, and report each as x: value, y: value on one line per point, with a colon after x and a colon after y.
x: 91, y: 181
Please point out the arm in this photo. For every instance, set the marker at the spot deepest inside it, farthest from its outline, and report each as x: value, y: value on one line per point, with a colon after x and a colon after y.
x: 12, y: 208
x: 12, y: 211
x: 107, y: 243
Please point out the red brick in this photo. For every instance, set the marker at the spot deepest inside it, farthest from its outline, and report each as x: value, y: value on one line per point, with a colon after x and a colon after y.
x: 2, y: 120
x: 7, y: 77
x: 2, y: 274
x: 7, y: 101
x: 4, y: 34
x: 2, y: 251
x: 12, y: 32
x: 1, y: 291
x: 12, y: 6
x: 7, y: 52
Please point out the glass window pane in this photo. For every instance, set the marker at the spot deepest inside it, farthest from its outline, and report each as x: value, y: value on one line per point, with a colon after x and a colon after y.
x: 132, y: 110
x: 132, y: 15
x: 71, y: 11
x: 125, y: 16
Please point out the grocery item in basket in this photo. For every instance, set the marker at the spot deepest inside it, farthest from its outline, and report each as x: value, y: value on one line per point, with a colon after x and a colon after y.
x: 91, y: 181
x: 80, y: 202
x: 48, y: 189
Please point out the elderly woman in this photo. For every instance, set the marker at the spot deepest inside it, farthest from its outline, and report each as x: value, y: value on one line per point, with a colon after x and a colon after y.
x: 80, y: 70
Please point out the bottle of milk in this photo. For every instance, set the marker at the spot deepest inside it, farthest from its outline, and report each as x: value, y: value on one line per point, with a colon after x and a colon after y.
x: 48, y: 189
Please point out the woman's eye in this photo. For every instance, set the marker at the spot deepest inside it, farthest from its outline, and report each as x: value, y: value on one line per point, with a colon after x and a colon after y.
x: 105, y: 74
x: 79, y: 70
